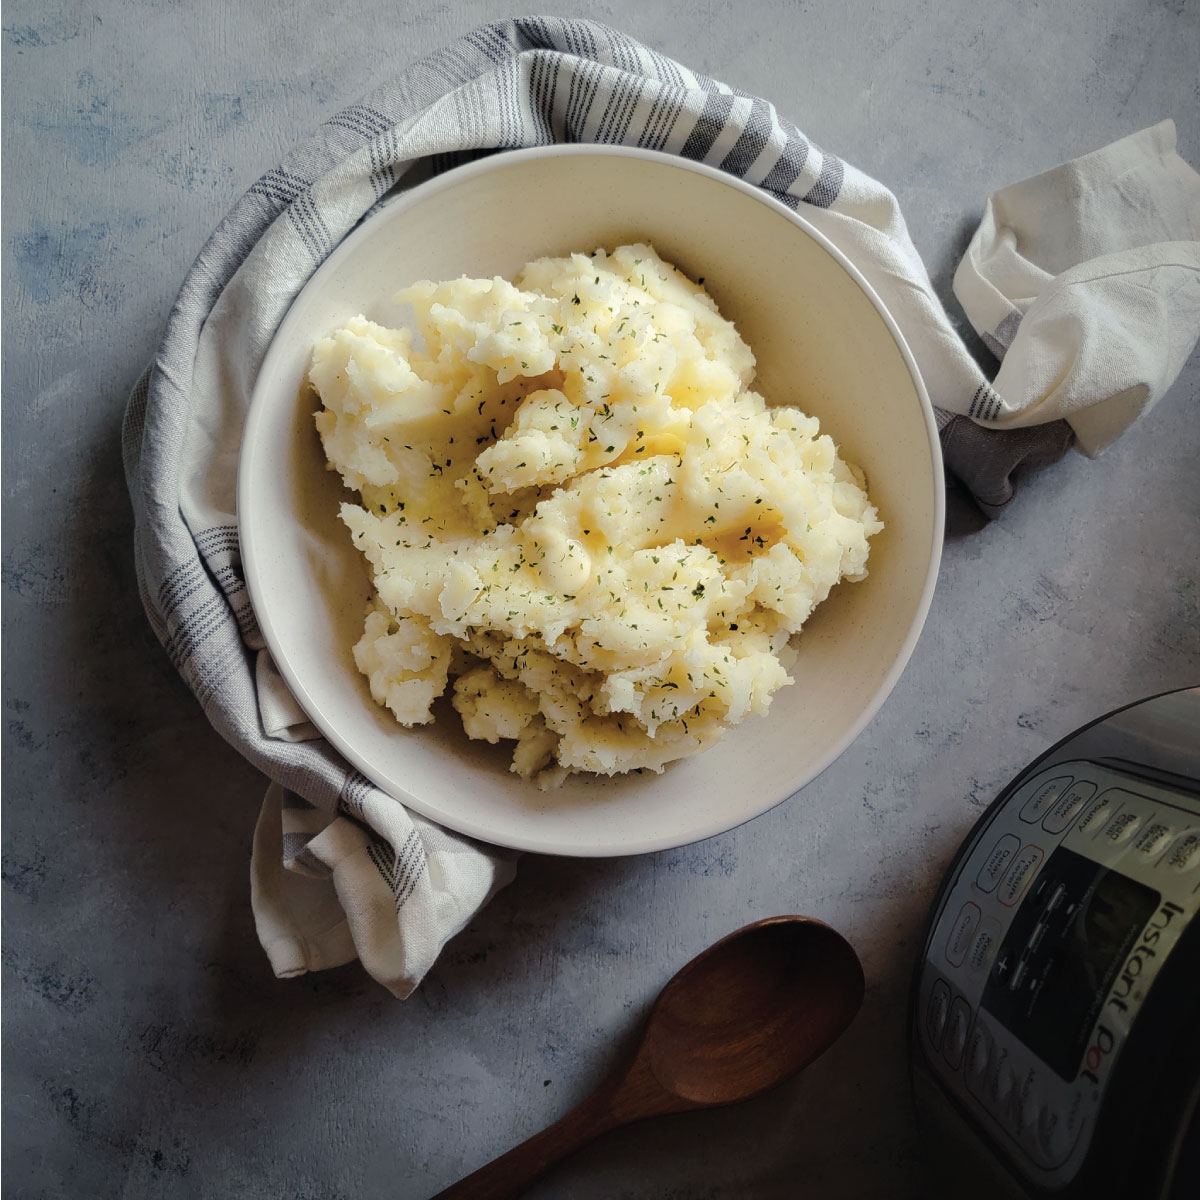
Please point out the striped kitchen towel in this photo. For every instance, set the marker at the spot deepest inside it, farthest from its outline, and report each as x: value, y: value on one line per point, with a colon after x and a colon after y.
x: 339, y: 869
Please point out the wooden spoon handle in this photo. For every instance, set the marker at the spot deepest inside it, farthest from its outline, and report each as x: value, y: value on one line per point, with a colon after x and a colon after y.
x: 513, y: 1173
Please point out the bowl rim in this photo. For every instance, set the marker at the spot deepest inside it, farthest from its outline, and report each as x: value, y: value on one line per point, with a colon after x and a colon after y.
x: 247, y: 540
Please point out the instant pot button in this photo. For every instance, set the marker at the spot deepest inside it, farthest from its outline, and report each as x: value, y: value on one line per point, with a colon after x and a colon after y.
x: 1027, y: 1120
x: 936, y: 1012
x: 1152, y: 841
x: 983, y: 948
x: 1002, y: 1087
x: 956, y: 1032
x: 1122, y: 827
x: 1047, y: 1123
x: 961, y: 933
x: 1023, y: 869
x: 1054, y: 1136
x: 1097, y: 813
x: 1036, y: 807
x: 1026, y: 1106
x: 1072, y: 1122
x: 997, y: 862
x: 979, y: 1058
x: 1185, y: 854
x: 1068, y: 806
x: 1004, y: 965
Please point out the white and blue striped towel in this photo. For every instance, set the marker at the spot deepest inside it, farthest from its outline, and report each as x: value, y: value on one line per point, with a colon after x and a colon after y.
x: 341, y: 870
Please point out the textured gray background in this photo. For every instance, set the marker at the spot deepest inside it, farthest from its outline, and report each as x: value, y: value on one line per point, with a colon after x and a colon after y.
x: 147, y: 1049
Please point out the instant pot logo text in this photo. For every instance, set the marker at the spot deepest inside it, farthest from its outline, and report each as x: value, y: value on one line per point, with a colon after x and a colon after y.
x: 1122, y: 995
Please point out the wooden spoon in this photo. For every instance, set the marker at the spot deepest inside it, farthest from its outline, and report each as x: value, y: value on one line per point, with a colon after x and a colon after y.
x: 748, y: 1012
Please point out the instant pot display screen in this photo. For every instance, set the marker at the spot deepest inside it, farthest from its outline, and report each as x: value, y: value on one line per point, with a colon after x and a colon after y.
x: 1062, y: 952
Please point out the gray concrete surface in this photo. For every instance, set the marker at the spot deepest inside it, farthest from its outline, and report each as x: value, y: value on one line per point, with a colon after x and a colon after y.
x: 147, y: 1050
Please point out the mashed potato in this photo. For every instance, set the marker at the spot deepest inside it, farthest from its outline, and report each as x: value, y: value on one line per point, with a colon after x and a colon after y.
x: 576, y: 510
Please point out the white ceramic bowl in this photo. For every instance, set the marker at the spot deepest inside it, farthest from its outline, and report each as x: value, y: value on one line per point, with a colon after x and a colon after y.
x: 823, y: 342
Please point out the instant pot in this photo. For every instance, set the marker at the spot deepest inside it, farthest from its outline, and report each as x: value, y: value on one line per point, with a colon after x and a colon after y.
x: 1055, y: 1012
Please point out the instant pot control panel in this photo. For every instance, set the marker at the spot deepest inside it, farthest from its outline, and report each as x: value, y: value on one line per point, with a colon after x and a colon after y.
x: 1048, y: 937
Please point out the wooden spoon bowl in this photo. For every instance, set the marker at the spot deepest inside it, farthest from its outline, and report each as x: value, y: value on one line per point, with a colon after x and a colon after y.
x: 747, y: 1013
x: 752, y: 1010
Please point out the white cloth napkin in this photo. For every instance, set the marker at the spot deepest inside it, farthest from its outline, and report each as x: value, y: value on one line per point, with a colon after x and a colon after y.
x: 1085, y: 281
x: 341, y: 870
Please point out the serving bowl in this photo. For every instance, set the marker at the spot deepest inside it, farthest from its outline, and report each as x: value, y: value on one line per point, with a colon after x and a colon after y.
x: 823, y: 342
